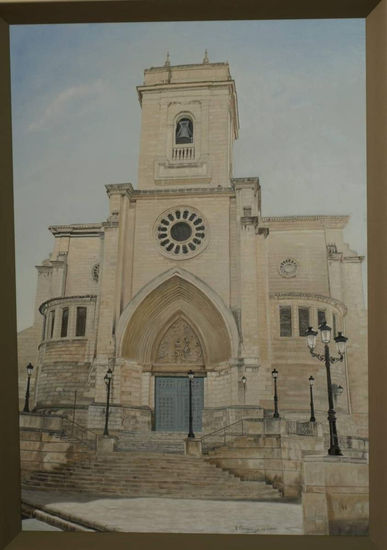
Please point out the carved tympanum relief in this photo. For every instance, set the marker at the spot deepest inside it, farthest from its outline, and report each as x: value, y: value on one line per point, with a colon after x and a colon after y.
x: 179, y: 345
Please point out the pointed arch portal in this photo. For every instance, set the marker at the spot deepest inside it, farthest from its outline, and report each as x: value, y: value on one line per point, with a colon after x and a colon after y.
x: 177, y: 301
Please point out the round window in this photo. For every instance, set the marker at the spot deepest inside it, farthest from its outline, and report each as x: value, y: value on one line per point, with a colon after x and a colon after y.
x: 181, y: 232
x: 288, y: 268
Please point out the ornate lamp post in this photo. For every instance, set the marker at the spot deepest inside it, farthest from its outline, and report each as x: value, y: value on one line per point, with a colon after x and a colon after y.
x: 274, y: 374
x: 190, y: 379
x: 311, y: 382
x: 244, y: 380
x: 30, y: 368
x: 107, y: 379
x: 340, y: 340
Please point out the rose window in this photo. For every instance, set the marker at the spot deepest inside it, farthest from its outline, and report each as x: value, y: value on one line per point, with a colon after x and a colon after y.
x: 288, y: 268
x: 181, y: 232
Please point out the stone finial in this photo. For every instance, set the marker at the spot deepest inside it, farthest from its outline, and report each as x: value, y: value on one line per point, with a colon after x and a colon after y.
x: 205, y: 58
x: 167, y: 61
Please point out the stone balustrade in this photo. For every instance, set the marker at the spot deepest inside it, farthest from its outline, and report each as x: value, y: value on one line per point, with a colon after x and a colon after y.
x: 183, y: 153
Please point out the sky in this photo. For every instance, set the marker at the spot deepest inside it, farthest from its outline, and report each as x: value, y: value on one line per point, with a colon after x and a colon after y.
x: 76, y: 119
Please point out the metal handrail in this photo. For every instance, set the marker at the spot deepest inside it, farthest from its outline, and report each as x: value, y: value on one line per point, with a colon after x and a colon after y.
x: 223, y: 430
x: 88, y: 436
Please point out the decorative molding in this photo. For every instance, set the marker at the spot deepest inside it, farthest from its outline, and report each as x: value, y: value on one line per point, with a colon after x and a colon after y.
x: 119, y: 189
x: 66, y: 299
x: 288, y: 268
x: 179, y: 346
x: 249, y: 221
x: 353, y: 259
x: 306, y: 222
x: 77, y: 229
x: 181, y: 232
x: 310, y: 296
x: 246, y: 182
x: 95, y: 272
x: 111, y: 223
x: 183, y: 192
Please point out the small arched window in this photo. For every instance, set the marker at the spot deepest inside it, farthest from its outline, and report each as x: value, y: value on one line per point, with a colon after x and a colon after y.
x: 184, y: 131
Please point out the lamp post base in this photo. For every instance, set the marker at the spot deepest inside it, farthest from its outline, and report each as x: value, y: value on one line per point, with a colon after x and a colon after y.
x: 335, y: 451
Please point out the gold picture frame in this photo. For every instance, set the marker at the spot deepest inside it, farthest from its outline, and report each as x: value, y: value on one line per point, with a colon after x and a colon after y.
x: 73, y: 11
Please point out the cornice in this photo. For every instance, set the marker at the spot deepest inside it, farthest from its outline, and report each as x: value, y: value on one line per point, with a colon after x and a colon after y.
x: 243, y: 182
x: 310, y: 296
x: 162, y: 68
x: 173, y: 85
x: 73, y: 230
x: 183, y: 192
x: 306, y: 222
x: 135, y: 194
x: 66, y: 299
x: 120, y: 189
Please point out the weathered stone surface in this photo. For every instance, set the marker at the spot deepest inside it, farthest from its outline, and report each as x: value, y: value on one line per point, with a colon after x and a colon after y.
x: 126, y: 294
x: 335, y: 491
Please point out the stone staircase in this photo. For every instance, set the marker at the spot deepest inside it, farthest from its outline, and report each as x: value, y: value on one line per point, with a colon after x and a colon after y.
x: 133, y: 474
x: 153, y: 442
x: 247, y: 456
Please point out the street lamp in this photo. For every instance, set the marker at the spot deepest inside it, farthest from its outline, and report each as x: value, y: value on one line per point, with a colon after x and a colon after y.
x: 107, y: 380
x: 30, y: 368
x: 190, y: 379
x: 244, y: 380
x: 340, y: 340
x: 274, y: 374
x: 311, y: 382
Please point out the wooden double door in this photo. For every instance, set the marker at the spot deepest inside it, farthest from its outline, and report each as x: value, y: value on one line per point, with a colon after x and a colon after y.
x: 172, y: 403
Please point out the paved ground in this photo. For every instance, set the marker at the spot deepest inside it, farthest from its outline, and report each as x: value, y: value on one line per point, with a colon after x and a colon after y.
x: 32, y: 524
x: 163, y: 515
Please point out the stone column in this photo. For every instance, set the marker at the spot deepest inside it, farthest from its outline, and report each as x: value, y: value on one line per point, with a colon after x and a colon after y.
x: 355, y: 328
x: 248, y: 212
x: 249, y: 310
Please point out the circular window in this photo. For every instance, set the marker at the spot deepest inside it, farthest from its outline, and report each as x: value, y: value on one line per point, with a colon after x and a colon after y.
x: 288, y: 268
x: 181, y: 232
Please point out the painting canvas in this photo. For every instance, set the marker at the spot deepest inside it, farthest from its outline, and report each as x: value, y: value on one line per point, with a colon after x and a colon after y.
x: 195, y: 327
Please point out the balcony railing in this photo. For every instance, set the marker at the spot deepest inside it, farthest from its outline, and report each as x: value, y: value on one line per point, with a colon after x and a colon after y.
x: 183, y: 153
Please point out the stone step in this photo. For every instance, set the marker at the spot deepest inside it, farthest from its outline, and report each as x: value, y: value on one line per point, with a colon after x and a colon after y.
x: 138, y: 474
x: 131, y: 477
x: 172, y: 488
x: 153, y: 442
x: 135, y: 465
x: 181, y: 492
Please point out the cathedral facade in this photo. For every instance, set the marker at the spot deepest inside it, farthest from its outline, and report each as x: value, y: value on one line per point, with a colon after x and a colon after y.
x: 186, y: 273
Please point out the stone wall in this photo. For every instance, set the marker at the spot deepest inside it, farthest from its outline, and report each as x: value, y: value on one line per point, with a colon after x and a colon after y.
x: 27, y: 347
x: 58, y: 382
x: 41, y: 445
x: 270, y: 450
x: 133, y: 419
x: 335, y: 496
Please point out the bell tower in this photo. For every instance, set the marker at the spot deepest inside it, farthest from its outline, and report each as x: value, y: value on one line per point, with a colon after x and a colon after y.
x: 189, y: 123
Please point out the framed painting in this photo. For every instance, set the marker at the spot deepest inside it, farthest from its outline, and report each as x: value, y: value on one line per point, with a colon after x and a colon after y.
x: 180, y: 340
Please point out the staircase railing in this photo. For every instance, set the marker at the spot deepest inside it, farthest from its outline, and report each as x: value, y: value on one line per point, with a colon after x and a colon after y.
x: 223, y: 435
x: 72, y: 429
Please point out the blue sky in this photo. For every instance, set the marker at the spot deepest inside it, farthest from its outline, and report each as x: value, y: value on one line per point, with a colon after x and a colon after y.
x: 76, y: 119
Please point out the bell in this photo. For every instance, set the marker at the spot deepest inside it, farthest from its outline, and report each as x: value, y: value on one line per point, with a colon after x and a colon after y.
x: 184, y: 132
